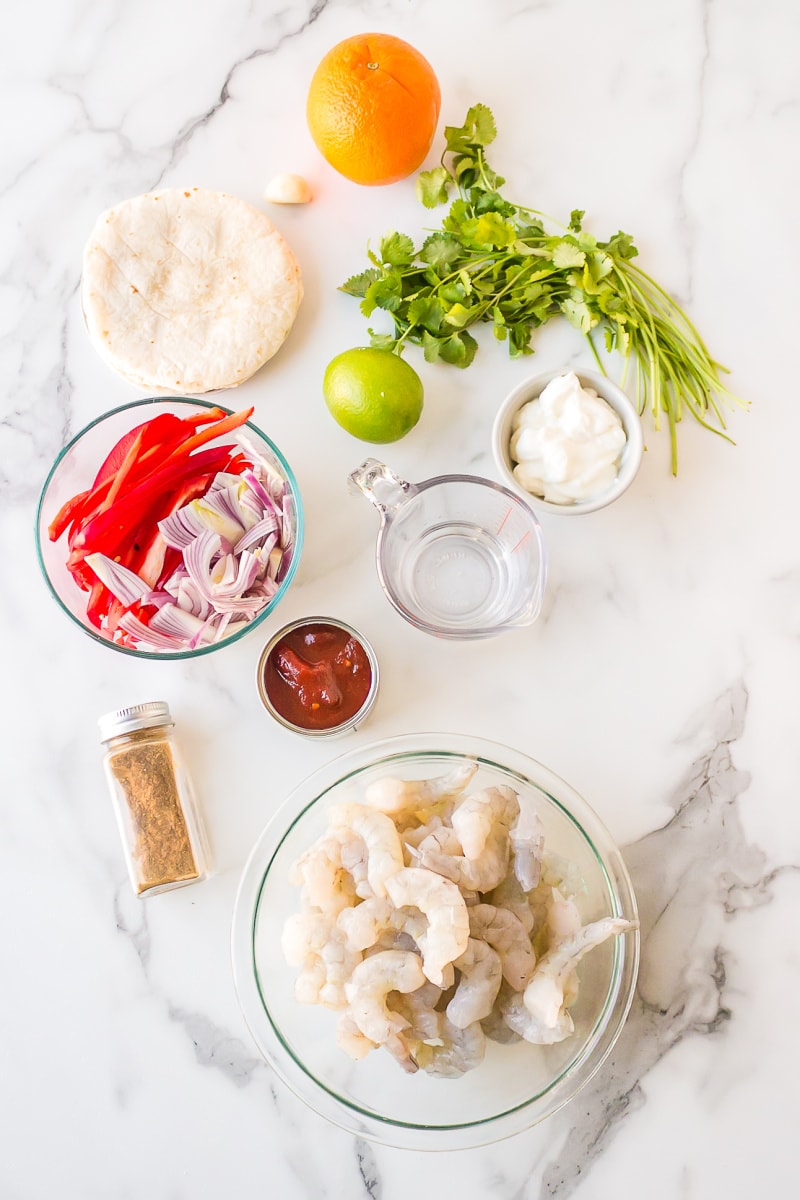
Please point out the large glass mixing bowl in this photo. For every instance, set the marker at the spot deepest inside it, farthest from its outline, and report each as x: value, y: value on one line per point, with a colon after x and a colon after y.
x: 516, y: 1085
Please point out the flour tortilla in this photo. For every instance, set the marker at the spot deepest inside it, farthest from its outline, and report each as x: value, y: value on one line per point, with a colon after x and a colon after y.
x: 188, y: 291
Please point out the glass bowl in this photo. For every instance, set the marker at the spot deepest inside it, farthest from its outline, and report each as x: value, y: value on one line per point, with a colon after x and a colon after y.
x: 74, y: 470
x: 516, y: 1085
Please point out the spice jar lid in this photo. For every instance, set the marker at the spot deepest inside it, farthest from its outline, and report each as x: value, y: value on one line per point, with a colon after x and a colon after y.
x: 136, y: 716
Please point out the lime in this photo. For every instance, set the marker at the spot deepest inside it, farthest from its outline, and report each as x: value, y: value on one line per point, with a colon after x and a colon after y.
x: 373, y: 394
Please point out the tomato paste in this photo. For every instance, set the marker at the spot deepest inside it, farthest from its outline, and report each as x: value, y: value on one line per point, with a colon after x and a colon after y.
x: 317, y: 676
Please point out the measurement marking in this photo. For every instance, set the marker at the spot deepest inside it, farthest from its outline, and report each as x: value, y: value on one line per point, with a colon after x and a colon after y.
x: 505, y: 518
x: 521, y: 541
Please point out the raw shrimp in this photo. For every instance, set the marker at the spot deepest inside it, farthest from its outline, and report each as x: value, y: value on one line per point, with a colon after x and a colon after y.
x: 412, y: 837
x: 540, y: 1014
x: 443, y: 840
x: 381, y: 839
x: 481, y: 972
x: 544, y: 994
x: 563, y: 918
x: 527, y: 845
x: 495, y: 1025
x: 478, y: 816
x: 506, y: 934
x: 350, y: 1038
x: 443, y: 905
x: 458, y: 1051
x: 401, y: 796
x: 509, y: 894
x: 418, y: 1008
x: 355, y: 860
x: 367, y: 922
x: 311, y: 941
x: 327, y: 884
x: 367, y: 990
x: 472, y: 874
x: 304, y: 935
x: 555, y: 915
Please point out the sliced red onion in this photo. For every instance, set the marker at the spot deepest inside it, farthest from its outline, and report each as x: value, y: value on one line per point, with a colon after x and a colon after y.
x: 283, y: 566
x: 146, y: 638
x: 126, y: 585
x: 257, y: 534
x: 181, y: 528
x: 223, y: 582
x: 176, y: 622
x: 275, y: 560
x: 259, y: 490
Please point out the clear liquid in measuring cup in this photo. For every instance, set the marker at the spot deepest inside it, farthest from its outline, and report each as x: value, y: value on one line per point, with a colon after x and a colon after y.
x: 464, y: 559
x: 461, y: 574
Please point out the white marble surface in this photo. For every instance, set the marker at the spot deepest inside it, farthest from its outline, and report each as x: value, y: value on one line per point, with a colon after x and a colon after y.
x: 663, y: 680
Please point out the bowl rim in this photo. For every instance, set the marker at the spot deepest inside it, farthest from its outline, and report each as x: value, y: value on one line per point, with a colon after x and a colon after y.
x: 614, y: 395
x: 199, y: 651
x: 327, y: 1102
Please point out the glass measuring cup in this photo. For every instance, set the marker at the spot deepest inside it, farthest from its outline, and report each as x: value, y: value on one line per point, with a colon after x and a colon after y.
x: 458, y: 556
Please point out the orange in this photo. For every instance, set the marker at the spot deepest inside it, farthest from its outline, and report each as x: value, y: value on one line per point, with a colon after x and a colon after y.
x: 372, y: 108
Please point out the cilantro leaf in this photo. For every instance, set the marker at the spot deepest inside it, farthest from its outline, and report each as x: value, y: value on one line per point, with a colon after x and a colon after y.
x: 357, y: 285
x: 433, y: 187
x: 397, y: 250
x: 441, y: 250
x: 386, y: 292
x: 567, y: 254
x: 426, y: 311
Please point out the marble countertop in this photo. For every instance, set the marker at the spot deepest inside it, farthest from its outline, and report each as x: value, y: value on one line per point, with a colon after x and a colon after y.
x: 662, y: 680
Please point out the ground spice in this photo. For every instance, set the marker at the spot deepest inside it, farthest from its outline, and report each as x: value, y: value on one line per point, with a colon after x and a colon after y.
x: 161, y: 846
x: 154, y: 805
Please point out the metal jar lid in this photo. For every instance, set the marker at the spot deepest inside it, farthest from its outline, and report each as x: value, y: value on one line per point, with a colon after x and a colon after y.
x: 137, y: 716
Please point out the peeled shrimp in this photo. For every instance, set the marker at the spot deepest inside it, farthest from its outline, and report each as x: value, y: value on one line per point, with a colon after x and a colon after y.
x: 481, y: 972
x: 472, y: 874
x: 311, y: 941
x: 506, y: 934
x: 366, y: 923
x: 366, y: 991
x: 443, y: 840
x: 400, y: 796
x: 381, y: 839
x: 458, y: 1051
x: 540, y: 1014
x: 527, y: 845
x: 412, y: 837
x: 495, y: 1025
x: 350, y: 1038
x: 478, y: 816
x: 509, y: 894
x: 418, y: 1008
x: 327, y: 884
x: 443, y: 905
x: 544, y: 994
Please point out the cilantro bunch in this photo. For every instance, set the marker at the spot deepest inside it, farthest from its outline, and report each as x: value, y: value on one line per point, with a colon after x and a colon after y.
x: 493, y: 261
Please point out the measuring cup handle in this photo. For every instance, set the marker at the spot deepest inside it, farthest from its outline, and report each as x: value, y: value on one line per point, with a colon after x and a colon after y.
x: 381, y: 486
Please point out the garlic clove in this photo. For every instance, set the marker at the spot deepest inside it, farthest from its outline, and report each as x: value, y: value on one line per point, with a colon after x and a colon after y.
x: 287, y: 189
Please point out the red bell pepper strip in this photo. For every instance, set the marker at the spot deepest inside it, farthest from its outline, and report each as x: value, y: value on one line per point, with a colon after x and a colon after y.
x: 226, y: 425
x: 153, y: 454
x: 134, y: 506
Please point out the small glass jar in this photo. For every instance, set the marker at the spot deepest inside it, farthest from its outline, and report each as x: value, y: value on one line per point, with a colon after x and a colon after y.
x: 162, y: 834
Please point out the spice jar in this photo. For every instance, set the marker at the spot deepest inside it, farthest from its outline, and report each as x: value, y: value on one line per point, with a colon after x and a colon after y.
x: 153, y: 799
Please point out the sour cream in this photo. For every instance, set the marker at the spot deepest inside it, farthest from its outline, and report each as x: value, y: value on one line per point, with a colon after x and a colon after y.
x: 567, y: 443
